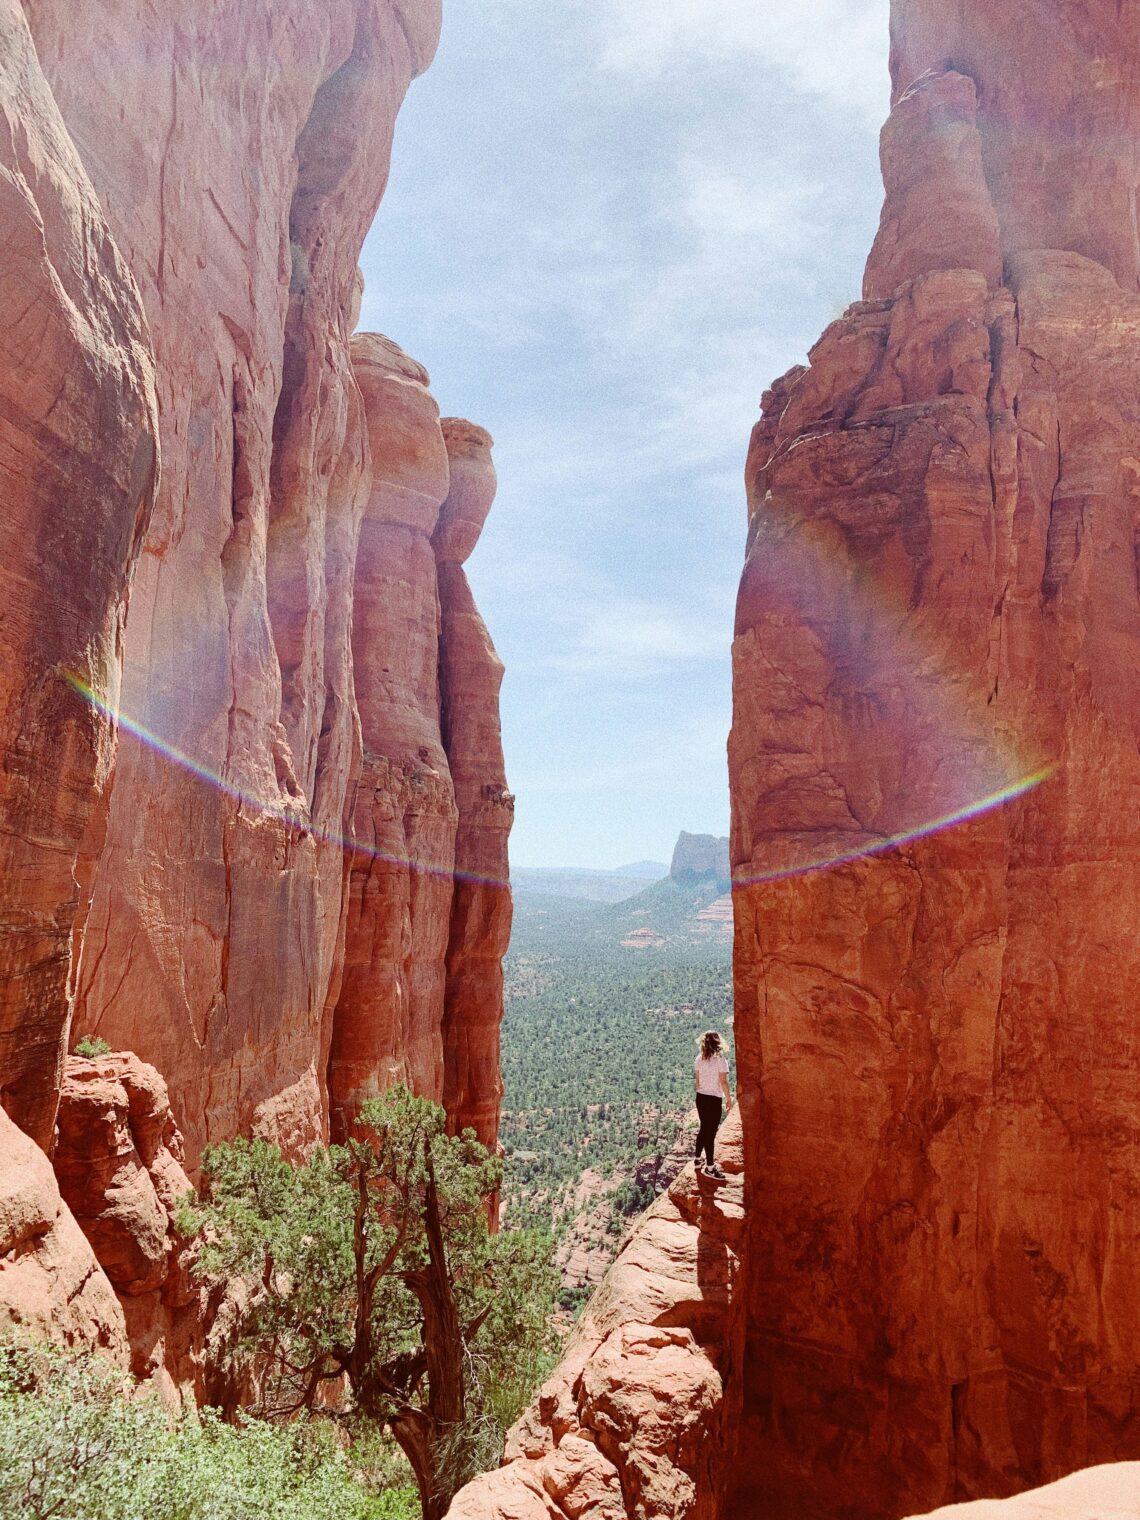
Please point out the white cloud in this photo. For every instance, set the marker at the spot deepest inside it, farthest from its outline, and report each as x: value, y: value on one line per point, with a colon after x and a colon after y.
x: 635, y: 639
x: 829, y: 48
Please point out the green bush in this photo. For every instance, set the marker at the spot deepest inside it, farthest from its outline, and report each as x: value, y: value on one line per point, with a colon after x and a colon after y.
x: 379, y: 1285
x: 91, y: 1046
x: 77, y: 1444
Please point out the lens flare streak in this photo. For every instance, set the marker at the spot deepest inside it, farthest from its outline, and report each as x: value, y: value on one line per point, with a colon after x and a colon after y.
x: 972, y: 810
x: 124, y: 723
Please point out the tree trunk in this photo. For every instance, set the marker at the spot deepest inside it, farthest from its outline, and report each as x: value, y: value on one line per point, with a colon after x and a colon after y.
x: 415, y: 1432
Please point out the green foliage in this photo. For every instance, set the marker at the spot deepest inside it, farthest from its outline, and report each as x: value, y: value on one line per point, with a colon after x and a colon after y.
x: 444, y: 1330
x: 76, y: 1445
x: 91, y: 1046
x: 598, y: 1042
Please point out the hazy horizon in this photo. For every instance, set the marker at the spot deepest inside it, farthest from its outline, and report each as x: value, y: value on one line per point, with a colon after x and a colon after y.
x: 606, y: 232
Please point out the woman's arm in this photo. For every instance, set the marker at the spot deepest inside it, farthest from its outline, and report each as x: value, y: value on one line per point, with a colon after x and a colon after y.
x: 725, y: 1089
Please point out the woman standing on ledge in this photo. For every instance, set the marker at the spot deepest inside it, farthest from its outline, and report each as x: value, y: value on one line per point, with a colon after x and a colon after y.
x: 713, y: 1098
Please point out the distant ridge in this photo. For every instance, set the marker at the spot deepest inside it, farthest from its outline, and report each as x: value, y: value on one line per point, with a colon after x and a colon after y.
x: 586, y: 885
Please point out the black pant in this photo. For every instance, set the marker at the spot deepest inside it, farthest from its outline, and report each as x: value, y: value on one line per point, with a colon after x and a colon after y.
x: 709, y: 1110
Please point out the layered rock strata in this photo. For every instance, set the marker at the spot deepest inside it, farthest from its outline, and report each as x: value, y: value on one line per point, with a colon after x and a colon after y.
x: 239, y: 182
x: 633, y: 1422
x: 939, y: 609
x: 78, y: 441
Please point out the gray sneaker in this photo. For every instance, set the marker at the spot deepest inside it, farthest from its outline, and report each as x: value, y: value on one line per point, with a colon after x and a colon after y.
x: 715, y: 1171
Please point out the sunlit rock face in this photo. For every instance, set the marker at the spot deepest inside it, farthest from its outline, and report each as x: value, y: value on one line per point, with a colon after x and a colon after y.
x: 1111, y: 1492
x: 388, y: 1024
x: 239, y: 153
x: 939, y: 609
x: 429, y: 907
x: 78, y: 459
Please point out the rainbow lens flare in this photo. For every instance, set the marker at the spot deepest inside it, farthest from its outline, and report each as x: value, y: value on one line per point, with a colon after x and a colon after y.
x: 289, y: 815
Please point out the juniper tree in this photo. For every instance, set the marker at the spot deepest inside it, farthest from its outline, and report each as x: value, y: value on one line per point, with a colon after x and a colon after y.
x: 377, y: 1291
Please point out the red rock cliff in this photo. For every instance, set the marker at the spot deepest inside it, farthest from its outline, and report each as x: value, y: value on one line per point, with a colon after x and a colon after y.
x: 935, y: 1043
x: 309, y: 737
x: 78, y: 430
x: 239, y: 181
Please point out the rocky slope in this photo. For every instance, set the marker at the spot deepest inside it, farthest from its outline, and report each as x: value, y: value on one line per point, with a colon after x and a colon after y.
x: 939, y: 609
x: 295, y: 891
x: 633, y: 1422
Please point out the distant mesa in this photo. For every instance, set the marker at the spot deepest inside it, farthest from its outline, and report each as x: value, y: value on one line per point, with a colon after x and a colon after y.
x: 699, y: 857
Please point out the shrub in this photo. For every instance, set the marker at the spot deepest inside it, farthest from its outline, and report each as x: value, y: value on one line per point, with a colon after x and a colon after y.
x: 77, y: 1443
x: 91, y: 1046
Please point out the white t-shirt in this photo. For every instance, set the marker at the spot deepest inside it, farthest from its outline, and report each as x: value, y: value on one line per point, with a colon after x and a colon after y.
x: 709, y: 1072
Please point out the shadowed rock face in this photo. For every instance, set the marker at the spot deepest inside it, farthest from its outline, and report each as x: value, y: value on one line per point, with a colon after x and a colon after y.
x: 51, y: 1285
x: 78, y: 430
x: 118, y: 1161
x: 239, y: 183
x: 934, y: 1044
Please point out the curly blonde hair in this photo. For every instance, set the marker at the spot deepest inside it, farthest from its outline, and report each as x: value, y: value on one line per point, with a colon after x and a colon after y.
x: 710, y: 1044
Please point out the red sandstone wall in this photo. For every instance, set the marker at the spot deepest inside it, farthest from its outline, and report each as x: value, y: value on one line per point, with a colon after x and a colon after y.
x: 302, y: 665
x: 240, y: 180
x: 78, y: 429
x: 935, y: 1045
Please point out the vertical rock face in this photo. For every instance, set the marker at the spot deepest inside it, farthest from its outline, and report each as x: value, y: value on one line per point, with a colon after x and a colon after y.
x: 78, y: 431
x: 940, y: 606
x: 389, y: 1015
x: 239, y: 153
x: 470, y: 675
x: 216, y: 167
x: 429, y: 907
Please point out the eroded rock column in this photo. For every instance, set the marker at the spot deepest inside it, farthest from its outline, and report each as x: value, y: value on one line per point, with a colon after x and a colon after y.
x: 403, y: 815
x: 471, y: 674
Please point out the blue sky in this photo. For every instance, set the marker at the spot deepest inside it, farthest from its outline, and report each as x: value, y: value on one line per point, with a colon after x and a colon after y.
x: 610, y: 225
